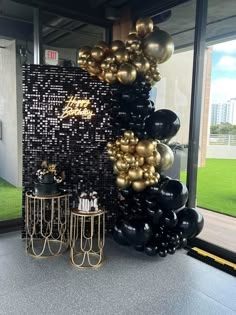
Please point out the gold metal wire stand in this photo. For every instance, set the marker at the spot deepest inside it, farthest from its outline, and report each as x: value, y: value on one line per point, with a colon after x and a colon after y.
x: 87, y: 237
x: 47, y: 225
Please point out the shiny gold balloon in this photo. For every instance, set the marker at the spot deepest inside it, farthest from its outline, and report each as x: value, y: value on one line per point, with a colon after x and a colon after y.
x: 158, y: 46
x: 101, y: 76
x: 104, y: 46
x: 115, y: 170
x: 135, y: 47
x: 110, y: 77
x: 105, y: 65
x: 141, y: 64
x: 156, y: 77
x: 110, y: 151
x: 133, y: 38
x: 84, y: 49
x: 124, y: 148
x: 129, y: 134
x: 144, y: 26
x: 82, y: 62
x: 97, y: 54
x: 117, y: 142
x: 148, y: 168
x: 145, y: 148
x: 139, y: 159
x: 95, y: 70
x: 129, y: 158
x: 110, y: 145
x: 122, y: 182
x: 124, y: 141
x: 121, y: 55
x: 113, y: 67
x: 91, y: 63
x: 135, y: 173
x: 138, y: 185
x: 116, y: 44
x: 153, y: 159
x: 110, y: 58
x: 126, y: 73
x: 167, y: 157
x: 86, y: 55
x: 122, y: 165
x: 134, y: 140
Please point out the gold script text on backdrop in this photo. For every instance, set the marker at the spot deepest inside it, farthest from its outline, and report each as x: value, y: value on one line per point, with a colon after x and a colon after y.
x: 76, y: 107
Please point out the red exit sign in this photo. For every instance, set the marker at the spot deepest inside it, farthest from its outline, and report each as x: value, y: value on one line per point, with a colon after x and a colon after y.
x: 51, y: 57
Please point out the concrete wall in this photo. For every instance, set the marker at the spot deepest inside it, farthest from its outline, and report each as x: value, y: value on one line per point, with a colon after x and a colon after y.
x: 9, y: 146
x: 221, y: 152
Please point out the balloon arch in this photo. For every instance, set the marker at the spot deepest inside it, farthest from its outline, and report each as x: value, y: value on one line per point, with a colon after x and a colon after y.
x: 153, y: 216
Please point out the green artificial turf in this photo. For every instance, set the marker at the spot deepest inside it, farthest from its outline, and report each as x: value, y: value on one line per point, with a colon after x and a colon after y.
x: 10, y: 201
x: 216, y: 186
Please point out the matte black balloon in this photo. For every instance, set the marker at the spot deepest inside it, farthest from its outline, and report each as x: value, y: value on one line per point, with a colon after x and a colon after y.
x: 118, y: 235
x: 151, y: 249
x: 170, y: 219
x: 137, y: 232
x: 139, y: 248
x: 172, y: 194
x: 162, y: 124
x: 126, y: 192
x: 190, y: 222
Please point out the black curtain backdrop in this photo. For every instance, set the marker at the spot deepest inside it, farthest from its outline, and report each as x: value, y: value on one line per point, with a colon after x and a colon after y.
x: 76, y: 145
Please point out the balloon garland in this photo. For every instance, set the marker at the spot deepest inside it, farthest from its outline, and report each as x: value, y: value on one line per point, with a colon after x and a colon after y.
x: 153, y: 214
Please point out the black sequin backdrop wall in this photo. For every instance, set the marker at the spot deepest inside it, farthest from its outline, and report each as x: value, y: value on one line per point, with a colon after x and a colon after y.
x: 75, y: 144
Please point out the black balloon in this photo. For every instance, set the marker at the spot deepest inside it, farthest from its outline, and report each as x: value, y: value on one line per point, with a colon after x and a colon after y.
x: 190, y: 222
x: 137, y: 232
x: 170, y: 219
x: 162, y: 124
x: 163, y: 179
x: 172, y: 194
x: 152, y: 191
x: 162, y: 252
x: 151, y: 249
x: 118, y: 235
x: 171, y: 250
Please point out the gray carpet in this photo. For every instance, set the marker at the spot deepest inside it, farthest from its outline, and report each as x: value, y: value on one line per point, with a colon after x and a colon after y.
x: 128, y: 283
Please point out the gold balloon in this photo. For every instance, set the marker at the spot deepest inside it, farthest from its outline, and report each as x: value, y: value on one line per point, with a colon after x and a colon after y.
x: 84, y: 49
x: 110, y: 151
x: 139, y: 159
x: 126, y: 73
x: 122, y: 182
x: 144, y: 26
x: 110, y: 77
x: 103, y: 45
x: 105, y: 65
x: 124, y: 148
x: 124, y: 141
x: 101, y: 76
x: 138, y: 185
x: 113, y: 67
x: 110, y: 58
x: 141, y: 64
x: 97, y: 54
x: 135, y: 173
x: 145, y: 148
x: 156, y: 77
x: 121, y: 55
x: 91, y: 63
x: 148, y: 168
x: 115, y: 170
x: 153, y: 159
x: 117, y: 142
x: 110, y: 145
x: 134, y: 140
x: 133, y: 38
x: 82, y: 62
x: 129, y: 134
x: 158, y: 46
x: 116, y: 44
x: 122, y: 165
x: 95, y: 70
x: 86, y: 55
x: 129, y: 158
x: 167, y: 157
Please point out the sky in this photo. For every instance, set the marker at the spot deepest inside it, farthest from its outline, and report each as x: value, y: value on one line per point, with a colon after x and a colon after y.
x: 223, y: 76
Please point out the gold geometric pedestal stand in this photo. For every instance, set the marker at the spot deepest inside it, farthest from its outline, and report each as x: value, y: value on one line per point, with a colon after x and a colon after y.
x: 87, y: 237
x: 47, y: 225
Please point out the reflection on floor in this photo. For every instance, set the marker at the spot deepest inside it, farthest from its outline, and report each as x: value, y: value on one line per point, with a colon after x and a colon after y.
x: 219, y: 229
x: 128, y: 283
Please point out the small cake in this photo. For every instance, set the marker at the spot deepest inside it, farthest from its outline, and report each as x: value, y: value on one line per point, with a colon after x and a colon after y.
x: 88, y: 202
x: 47, y: 180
